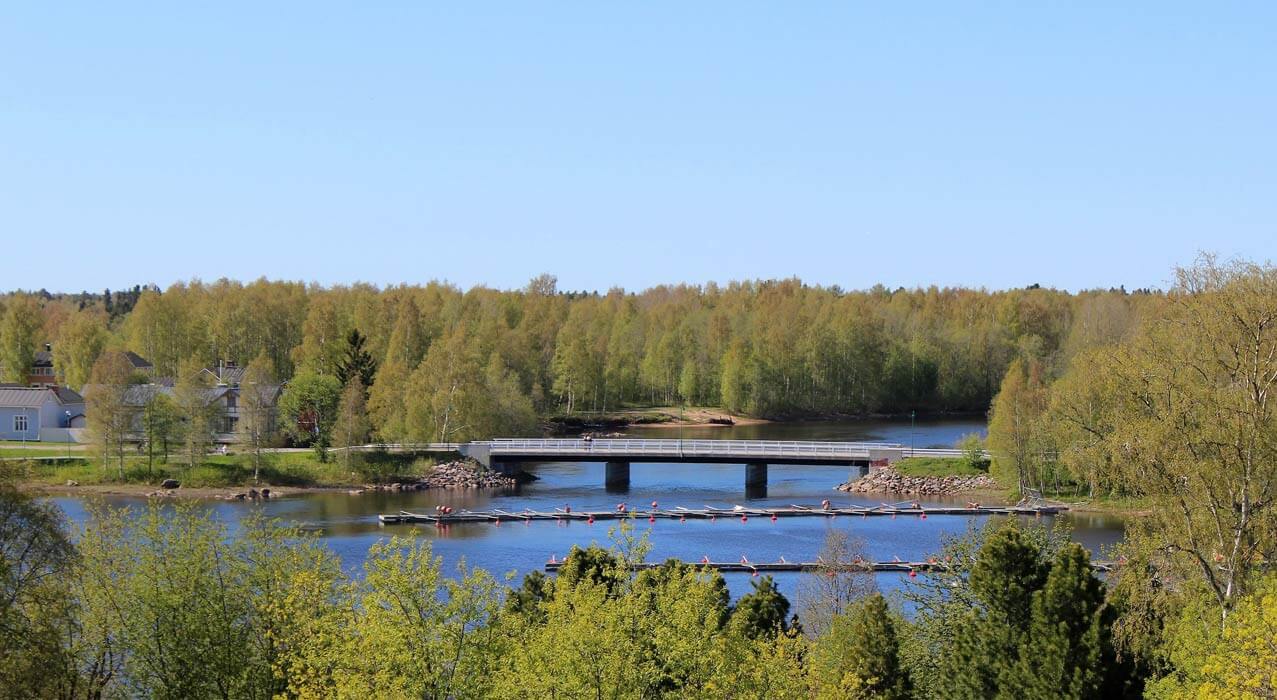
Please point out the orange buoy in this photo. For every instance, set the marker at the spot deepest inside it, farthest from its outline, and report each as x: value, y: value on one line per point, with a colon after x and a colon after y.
x: 651, y: 518
x: 913, y: 574
x: 755, y: 574
x: 496, y: 521
x: 773, y: 517
x: 923, y: 516
x: 589, y: 520
x: 705, y: 559
x: 744, y: 518
x: 682, y: 518
x: 653, y: 504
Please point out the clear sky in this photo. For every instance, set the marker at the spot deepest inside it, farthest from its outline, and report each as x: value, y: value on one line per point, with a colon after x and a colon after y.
x: 997, y: 144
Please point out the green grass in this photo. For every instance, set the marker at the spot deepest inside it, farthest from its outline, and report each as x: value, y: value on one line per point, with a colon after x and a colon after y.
x: 218, y: 471
x: 38, y: 452
x: 938, y: 466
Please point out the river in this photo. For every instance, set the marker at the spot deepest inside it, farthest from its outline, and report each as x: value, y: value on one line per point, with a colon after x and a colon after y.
x: 348, y: 523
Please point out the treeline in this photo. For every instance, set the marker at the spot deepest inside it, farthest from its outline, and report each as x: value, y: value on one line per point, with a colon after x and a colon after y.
x: 166, y: 603
x: 767, y: 348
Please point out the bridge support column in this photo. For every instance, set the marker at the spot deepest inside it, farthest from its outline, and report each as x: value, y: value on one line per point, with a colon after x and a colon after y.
x: 506, y: 468
x: 617, y: 476
x: 755, y: 475
x: 858, y: 471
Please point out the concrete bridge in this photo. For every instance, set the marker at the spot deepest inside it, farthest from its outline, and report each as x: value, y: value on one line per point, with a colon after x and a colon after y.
x: 506, y: 455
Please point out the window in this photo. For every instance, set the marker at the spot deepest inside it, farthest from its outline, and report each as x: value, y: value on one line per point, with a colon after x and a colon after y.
x: 20, y: 424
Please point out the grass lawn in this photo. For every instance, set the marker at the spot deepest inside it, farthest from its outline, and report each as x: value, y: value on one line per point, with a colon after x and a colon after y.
x: 38, y: 452
x: 225, y: 471
x: 938, y: 466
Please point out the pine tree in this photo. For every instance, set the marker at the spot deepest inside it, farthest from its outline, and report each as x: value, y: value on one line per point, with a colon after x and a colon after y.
x: 357, y: 363
x: 859, y: 655
x: 762, y: 611
x: 1061, y: 657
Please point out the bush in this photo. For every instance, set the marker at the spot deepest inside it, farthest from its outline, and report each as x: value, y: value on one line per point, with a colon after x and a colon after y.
x: 972, y: 446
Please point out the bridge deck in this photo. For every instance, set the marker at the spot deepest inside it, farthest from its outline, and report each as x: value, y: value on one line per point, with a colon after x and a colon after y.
x: 733, y: 451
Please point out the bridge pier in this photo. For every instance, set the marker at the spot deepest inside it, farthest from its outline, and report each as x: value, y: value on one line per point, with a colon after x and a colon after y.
x: 756, y: 475
x: 617, y: 477
x: 506, y: 468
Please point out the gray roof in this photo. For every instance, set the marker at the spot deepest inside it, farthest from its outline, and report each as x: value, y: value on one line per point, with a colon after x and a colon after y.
x: 43, y: 358
x: 226, y: 375
x: 34, y: 398
x: 136, y: 360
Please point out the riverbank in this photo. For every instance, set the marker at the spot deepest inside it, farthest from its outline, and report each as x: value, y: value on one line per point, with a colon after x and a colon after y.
x: 449, y: 475
x: 656, y: 417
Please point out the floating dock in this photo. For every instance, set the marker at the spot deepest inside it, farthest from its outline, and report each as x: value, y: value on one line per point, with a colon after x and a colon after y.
x: 845, y: 567
x: 497, y: 516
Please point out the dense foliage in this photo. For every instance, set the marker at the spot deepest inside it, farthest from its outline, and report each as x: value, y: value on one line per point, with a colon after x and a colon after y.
x: 166, y: 602
x: 433, y: 356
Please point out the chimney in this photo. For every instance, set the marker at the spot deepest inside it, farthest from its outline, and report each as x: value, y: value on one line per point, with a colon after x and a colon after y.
x: 48, y: 347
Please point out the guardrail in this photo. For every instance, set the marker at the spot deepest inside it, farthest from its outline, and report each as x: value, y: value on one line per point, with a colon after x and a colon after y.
x: 688, y: 448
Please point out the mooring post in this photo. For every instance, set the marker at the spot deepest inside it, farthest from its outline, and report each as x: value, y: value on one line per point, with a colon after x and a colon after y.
x: 755, y: 474
x: 617, y: 475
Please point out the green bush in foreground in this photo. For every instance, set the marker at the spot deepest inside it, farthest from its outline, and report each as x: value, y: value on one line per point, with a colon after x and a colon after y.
x: 166, y: 602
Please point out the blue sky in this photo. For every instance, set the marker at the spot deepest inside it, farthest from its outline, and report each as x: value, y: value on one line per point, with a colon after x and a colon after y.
x: 630, y: 144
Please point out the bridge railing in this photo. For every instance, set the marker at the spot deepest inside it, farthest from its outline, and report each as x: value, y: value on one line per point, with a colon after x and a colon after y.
x: 685, y: 448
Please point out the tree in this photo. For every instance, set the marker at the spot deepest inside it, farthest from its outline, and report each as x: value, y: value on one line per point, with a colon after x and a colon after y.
x: 1015, y: 434
x: 36, y: 600
x: 257, y: 395
x: 308, y: 409
x: 193, y: 398
x: 176, y: 607
x: 81, y: 339
x: 109, y: 416
x: 408, y: 631
x: 1029, y: 624
x: 1235, y: 661
x: 1192, y: 428
x: 859, y: 654
x: 351, y: 428
x: 356, y: 363
x: 1062, y: 655
x: 19, y: 327
x: 763, y: 611
x: 161, y: 425
x: 840, y: 579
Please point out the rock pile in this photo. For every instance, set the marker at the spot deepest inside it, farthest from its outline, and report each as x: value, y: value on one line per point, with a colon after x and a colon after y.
x: 889, y: 480
x: 449, y: 475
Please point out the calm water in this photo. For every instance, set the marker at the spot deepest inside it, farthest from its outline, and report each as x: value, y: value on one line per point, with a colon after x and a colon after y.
x: 348, y: 524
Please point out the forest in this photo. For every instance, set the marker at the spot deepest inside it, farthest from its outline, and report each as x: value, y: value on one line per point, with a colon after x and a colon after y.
x: 452, y: 365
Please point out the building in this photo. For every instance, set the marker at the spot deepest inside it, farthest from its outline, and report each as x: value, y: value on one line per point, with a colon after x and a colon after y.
x: 46, y: 414
x: 43, y: 374
x: 225, y: 401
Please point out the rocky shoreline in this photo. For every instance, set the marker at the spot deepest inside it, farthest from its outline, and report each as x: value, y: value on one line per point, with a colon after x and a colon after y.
x: 452, y: 475
x: 888, y: 480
